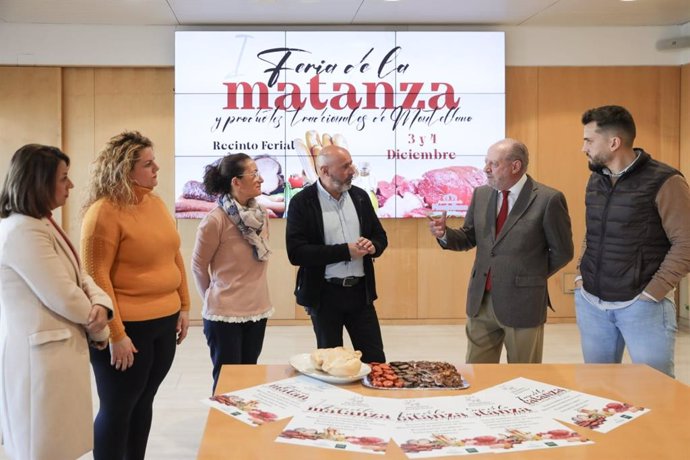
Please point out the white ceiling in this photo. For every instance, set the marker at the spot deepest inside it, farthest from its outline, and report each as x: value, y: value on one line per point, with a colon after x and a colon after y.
x: 349, y: 12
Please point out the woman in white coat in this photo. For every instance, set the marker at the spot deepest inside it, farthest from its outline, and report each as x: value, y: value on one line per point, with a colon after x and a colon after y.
x: 50, y: 310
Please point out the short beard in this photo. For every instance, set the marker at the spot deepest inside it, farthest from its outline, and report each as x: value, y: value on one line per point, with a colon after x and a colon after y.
x: 595, y: 167
x: 343, y: 187
x: 599, y: 164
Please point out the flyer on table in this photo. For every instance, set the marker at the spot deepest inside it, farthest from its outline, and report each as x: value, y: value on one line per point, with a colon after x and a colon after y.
x: 348, y: 422
x: 467, y: 425
x: 272, y: 401
x: 589, y: 411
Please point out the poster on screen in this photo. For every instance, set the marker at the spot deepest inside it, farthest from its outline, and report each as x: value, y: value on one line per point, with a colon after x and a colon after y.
x: 416, y: 110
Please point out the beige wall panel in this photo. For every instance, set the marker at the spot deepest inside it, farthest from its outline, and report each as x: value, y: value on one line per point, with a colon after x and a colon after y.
x: 30, y: 105
x: 281, y: 274
x: 443, y: 276
x: 669, y: 116
x: 187, y: 229
x: 650, y: 93
x: 300, y: 312
x: 396, y: 271
x: 139, y: 99
x: 78, y: 142
x: 684, y: 142
x: 522, y: 88
x: 564, y: 94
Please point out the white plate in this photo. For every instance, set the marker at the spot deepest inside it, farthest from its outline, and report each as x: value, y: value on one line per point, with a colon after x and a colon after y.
x: 302, y: 363
x: 463, y: 386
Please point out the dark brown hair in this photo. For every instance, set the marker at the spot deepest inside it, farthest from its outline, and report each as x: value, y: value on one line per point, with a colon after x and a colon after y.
x: 218, y: 176
x: 30, y: 182
x: 612, y: 118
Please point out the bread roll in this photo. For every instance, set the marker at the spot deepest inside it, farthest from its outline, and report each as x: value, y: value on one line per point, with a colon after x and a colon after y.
x: 342, y: 366
x: 338, y: 361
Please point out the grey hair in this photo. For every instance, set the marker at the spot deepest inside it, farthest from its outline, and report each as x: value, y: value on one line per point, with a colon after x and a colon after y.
x: 518, y: 151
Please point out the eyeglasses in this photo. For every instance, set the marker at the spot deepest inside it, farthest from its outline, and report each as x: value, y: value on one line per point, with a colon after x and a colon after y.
x: 255, y: 174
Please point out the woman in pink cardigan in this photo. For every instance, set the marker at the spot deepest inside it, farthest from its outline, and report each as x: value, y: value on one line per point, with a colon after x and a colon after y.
x: 230, y: 261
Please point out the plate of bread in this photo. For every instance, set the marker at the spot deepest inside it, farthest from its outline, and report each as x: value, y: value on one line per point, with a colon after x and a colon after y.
x: 332, y: 365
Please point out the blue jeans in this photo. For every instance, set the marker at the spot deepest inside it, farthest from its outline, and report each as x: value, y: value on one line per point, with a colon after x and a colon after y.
x: 647, y: 328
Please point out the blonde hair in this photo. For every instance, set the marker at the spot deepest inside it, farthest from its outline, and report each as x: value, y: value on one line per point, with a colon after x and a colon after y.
x: 111, y: 168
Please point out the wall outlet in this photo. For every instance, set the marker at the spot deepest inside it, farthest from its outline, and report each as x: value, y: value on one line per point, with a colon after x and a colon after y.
x: 568, y: 283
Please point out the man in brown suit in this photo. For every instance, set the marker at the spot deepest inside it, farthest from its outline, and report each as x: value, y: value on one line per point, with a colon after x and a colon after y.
x: 522, y: 236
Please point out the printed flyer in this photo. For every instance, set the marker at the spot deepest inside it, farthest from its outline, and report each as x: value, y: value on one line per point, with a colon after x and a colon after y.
x: 349, y: 422
x: 272, y: 401
x: 589, y: 411
x: 467, y: 425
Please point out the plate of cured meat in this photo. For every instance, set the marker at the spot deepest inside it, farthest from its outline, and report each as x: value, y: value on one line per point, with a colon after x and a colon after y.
x: 421, y: 375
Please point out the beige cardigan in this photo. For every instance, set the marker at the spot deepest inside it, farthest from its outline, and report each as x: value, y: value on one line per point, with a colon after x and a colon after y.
x: 46, y: 298
x: 231, y: 281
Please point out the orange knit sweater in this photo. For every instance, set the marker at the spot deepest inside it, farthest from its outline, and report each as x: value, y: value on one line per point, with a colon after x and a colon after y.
x: 133, y: 254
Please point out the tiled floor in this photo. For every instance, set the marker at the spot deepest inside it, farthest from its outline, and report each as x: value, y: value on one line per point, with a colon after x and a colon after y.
x: 179, y: 417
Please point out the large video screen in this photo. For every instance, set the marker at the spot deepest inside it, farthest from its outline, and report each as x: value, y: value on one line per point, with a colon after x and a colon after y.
x: 416, y: 110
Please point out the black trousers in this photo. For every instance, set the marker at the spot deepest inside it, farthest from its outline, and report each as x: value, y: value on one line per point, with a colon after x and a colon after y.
x: 233, y: 343
x: 121, y: 428
x: 347, y: 307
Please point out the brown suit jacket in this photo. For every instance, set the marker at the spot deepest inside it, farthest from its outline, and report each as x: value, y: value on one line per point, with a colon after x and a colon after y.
x: 534, y: 243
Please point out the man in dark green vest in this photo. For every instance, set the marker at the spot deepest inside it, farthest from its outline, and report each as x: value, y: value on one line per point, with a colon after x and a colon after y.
x: 637, y: 246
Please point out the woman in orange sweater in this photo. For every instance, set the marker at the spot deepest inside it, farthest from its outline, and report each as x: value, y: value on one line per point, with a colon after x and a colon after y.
x: 131, y: 248
x: 230, y: 262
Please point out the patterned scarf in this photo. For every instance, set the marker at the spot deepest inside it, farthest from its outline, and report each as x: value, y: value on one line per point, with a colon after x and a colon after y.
x: 250, y: 221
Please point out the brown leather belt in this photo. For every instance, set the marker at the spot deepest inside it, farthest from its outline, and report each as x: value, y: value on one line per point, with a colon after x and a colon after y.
x: 345, y: 282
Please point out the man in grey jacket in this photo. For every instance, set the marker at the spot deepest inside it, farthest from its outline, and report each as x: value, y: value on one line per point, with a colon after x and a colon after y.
x: 522, y: 233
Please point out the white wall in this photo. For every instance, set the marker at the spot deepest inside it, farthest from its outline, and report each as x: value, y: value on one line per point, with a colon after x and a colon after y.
x: 87, y: 45
x: 601, y: 46
x: 82, y: 45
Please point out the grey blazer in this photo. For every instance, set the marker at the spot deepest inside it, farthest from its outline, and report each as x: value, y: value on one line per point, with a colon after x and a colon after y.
x: 534, y: 243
